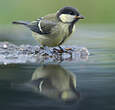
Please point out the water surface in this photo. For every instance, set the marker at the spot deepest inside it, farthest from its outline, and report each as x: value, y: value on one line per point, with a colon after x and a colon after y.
x: 94, y: 76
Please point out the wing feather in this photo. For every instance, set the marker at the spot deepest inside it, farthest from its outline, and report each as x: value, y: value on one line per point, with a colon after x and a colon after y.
x: 43, y: 25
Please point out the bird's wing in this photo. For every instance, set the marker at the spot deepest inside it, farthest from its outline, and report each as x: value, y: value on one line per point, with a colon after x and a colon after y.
x: 46, y: 26
x: 42, y: 26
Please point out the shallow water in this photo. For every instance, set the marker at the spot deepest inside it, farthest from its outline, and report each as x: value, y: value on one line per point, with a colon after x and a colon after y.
x: 93, y: 76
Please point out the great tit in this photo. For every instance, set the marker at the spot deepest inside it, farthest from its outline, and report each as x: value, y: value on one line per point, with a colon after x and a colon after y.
x: 53, y: 81
x: 53, y: 29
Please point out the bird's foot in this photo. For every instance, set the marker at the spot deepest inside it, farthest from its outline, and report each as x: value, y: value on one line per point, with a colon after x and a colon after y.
x: 63, y: 50
x: 47, y: 51
x: 68, y: 49
x: 58, y: 50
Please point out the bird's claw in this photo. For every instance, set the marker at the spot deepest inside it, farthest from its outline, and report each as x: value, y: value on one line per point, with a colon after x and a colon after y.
x: 66, y: 50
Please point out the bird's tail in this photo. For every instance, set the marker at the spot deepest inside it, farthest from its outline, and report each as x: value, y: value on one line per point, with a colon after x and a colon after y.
x: 26, y: 23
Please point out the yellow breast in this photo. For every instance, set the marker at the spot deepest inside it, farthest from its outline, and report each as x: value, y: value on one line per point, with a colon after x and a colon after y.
x: 57, y: 35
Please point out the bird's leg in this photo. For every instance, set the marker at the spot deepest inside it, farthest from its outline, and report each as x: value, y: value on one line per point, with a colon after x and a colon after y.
x: 64, y: 49
x: 61, y: 49
x: 48, y: 51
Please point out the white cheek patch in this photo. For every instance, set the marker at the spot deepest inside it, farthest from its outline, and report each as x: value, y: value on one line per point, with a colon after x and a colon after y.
x: 66, y: 18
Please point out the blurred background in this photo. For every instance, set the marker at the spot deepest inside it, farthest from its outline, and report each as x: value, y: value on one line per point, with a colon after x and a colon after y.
x: 99, y: 21
x: 95, y: 11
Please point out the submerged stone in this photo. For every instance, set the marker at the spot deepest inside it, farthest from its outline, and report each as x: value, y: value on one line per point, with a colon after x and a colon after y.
x: 11, y: 53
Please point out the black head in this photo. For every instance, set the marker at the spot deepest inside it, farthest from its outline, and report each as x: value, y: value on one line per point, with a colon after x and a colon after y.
x: 69, y: 14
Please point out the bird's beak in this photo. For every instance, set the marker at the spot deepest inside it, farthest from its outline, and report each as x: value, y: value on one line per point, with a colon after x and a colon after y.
x: 79, y: 17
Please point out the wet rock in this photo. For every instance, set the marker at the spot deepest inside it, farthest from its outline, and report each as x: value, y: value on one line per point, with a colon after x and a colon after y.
x: 11, y: 53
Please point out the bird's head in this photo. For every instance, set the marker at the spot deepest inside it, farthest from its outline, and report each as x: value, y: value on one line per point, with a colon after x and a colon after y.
x: 68, y: 15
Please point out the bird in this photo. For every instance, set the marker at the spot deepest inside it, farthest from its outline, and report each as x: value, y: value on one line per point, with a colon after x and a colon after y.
x: 54, y: 81
x: 53, y: 29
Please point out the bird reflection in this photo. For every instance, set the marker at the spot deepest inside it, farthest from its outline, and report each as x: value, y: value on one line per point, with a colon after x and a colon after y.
x: 55, y: 82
